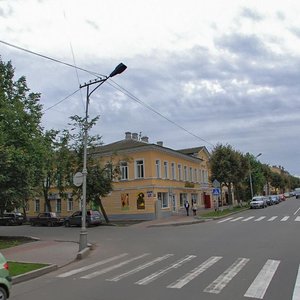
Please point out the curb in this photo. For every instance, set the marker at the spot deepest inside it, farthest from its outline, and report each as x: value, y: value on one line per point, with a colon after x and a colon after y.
x: 177, y: 224
x: 33, y: 274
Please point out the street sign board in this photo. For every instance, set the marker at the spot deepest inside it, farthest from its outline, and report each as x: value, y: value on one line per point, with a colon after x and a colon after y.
x: 216, y: 191
x: 216, y: 184
x: 78, y: 179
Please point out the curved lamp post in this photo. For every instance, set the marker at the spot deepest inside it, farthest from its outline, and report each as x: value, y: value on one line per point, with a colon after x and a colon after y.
x: 250, y: 176
x: 118, y: 70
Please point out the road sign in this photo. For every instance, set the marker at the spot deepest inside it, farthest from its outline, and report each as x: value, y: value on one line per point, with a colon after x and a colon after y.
x: 216, y: 191
x: 216, y: 184
x: 78, y: 179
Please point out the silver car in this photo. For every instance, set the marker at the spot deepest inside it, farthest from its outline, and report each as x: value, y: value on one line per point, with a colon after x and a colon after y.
x: 258, y: 202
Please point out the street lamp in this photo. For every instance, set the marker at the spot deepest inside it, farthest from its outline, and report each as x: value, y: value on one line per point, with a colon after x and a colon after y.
x: 118, y: 70
x: 250, y: 175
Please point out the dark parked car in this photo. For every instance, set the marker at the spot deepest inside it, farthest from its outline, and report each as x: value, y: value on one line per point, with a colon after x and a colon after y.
x: 12, y: 218
x: 93, y: 217
x: 47, y: 219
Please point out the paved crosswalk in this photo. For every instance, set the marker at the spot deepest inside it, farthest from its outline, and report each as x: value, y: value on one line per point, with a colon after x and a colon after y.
x: 261, y: 218
x: 145, y: 269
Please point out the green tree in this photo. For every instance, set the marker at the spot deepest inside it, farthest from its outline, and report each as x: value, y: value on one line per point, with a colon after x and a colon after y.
x: 228, y: 166
x: 20, y: 133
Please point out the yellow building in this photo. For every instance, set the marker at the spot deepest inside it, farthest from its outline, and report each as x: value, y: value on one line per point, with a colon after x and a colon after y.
x: 154, y: 180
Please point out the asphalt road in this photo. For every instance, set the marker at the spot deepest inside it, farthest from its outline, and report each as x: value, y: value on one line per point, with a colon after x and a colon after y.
x: 252, y: 255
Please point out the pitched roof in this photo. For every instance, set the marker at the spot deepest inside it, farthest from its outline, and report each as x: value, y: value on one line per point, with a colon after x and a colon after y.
x: 131, y: 145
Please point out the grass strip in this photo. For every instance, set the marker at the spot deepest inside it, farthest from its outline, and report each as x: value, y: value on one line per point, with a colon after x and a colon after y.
x: 7, y: 243
x: 18, y: 268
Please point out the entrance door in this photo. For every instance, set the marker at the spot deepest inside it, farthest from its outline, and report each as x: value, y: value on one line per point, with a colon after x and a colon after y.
x: 174, y: 203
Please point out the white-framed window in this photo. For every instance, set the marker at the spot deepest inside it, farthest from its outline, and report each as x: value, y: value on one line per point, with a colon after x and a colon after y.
x: 139, y: 169
x: 173, y: 171
x: 199, y: 175
x: 163, y: 197
x: 166, y: 169
x: 195, y: 175
x: 183, y: 198
x: 124, y: 170
x: 185, y: 173
x: 58, y: 205
x: 37, y: 206
x: 70, y: 204
x: 179, y: 172
x: 157, y: 168
x: 203, y: 176
x: 194, y: 198
x: 190, y: 174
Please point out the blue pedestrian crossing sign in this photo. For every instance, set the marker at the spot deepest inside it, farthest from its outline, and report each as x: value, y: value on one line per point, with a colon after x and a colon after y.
x: 216, y: 191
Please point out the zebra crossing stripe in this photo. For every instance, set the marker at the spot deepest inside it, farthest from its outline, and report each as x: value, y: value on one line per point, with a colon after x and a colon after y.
x: 216, y: 286
x: 224, y: 220
x: 247, y: 219
x: 103, y: 271
x: 272, y: 218
x: 162, y: 272
x: 99, y: 263
x: 296, y: 294
x: 139, y: 268
x: 236, y: 219
x: 284, y: 218
x: 194, y: 273
x: 297, y: 219
x: 260, y: 284
x: 259, y: 219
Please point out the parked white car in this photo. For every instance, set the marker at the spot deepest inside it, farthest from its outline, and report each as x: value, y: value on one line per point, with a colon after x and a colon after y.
x: 258, y: 202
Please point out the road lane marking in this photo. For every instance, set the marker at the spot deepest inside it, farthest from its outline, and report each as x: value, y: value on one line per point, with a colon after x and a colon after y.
x: 194, y: 273
x: 216, y: 286
x: 296, y: 294
x: 236, y: 219
x: 140, y: 267
x: 247, y: 219
x: 284, y: 219
x: 296, y: 211
x: 162, y: 272
x: 260, y: 284
x: 103, y: 271
x: 259, y: 219
x: 297, y: 219
x: 99, y: 263
x: 227, y: 219
x: 272, y: 218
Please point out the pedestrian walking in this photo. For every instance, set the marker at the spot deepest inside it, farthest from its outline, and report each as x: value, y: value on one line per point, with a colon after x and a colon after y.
x: 194, y: 208
x: 187, y: 206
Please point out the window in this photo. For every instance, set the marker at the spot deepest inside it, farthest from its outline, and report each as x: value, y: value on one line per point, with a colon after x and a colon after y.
x: 166, y: 170
x: 203, y: 176
x: 27, y: 207
x: 194, y: 198
x: 163, y: 197
x: 185, y: 173
x: 183, y: 198
x: 58, y: 205
x: 191, y: 174
x: 157, y: 168
x: 179, y: 172
x: 37, y: 205
x: 195, y: 175
x: 70, y: 204
x: 173, y: 174
x: 124, y: 170
x: 139, y: 168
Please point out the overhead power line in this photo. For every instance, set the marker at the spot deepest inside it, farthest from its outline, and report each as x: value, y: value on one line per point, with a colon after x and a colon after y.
x: 113, y: 84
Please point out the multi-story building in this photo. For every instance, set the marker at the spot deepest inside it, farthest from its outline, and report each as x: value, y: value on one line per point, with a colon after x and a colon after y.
x: 154, y: 181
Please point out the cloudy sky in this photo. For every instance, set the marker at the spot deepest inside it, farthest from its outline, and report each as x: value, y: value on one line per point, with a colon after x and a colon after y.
x: 199, y: 72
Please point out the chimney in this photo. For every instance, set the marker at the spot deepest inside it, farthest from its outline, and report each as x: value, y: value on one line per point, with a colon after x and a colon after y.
x: 134, y: 136
x: 160, y: 143
x: 145, y: 139
x: 127, y: 135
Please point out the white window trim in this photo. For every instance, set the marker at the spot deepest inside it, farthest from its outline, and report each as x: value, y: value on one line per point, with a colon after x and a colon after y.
x: 121, y: 168
x: 173, y: 170
x: 158, y: 168
x: 136, y: 168
x: 166, y: 169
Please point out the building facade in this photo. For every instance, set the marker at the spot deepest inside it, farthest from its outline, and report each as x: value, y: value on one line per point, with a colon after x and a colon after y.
x: 153, y: 181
